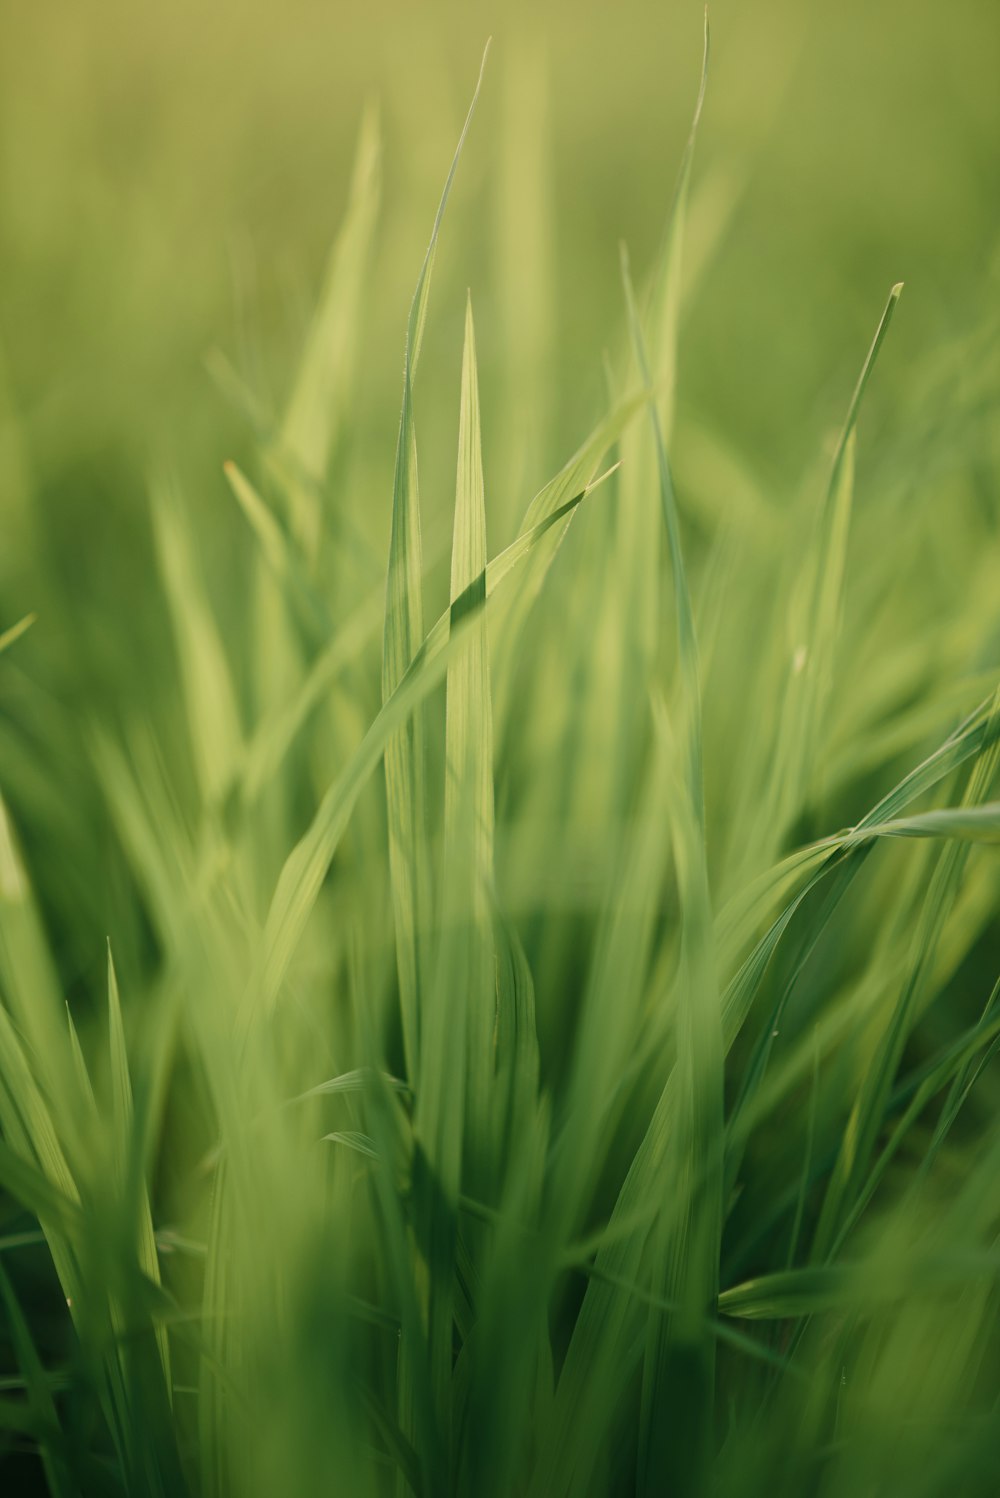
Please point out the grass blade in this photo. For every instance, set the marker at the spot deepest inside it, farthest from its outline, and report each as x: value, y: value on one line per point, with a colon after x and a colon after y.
x: 319, y: 404
x: 403, y: 635
x: 129, y: 1155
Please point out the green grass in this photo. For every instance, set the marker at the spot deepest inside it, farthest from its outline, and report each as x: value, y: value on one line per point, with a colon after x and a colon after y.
x: 552, y: 1050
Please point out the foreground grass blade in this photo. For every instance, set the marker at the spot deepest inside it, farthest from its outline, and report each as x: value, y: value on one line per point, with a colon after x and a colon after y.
x: 468, y: 789
x: 458, y: 1014
x: 403, y: 635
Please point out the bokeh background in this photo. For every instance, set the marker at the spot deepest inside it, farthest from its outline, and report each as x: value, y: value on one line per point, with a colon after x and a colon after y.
x: 171, y: 177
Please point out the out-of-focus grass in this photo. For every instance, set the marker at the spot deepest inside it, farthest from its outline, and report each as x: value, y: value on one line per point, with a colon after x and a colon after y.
x: 548, y: 1045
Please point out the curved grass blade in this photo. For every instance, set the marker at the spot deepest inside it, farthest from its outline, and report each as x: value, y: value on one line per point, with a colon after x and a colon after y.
x: 869, y: 1108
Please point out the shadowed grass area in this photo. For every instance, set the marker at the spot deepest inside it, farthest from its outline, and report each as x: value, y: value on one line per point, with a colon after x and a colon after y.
x: 550, y: 1050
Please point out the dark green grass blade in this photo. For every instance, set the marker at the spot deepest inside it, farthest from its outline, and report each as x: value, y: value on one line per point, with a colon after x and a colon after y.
x: 39, y: 1396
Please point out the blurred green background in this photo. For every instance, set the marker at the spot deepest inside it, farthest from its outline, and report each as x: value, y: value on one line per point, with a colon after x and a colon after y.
x: 171, y: 177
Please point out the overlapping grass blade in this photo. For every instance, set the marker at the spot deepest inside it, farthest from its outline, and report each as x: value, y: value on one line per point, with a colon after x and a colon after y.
x: 307, y: 864
x: 869, y: 1108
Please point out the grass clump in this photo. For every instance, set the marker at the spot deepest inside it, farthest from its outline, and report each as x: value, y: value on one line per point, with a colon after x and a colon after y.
x: 554, y: 1050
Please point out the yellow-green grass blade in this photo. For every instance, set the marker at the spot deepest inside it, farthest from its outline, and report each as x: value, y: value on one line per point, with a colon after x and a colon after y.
x: 402, y: 637
x: 320, y: 401
x: 663, y: 312
x: 209, y: 695
x: 525, y: 272
x: 29, y: 983
x: 33, y: 1165
x: 576, y: 476
x: 468, y: 789
x: 690, y: 701
x: 9, y: 636
x: 639, y: 540
x: 815, y: 626
x: 455, y: 1087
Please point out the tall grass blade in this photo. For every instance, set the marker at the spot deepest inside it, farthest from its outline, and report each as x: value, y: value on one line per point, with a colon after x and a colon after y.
x: 403, y: 635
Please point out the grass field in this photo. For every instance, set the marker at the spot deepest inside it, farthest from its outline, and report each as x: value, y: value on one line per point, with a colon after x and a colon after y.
x: 499, y: 949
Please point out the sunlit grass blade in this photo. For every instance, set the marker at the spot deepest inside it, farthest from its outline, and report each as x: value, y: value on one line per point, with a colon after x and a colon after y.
x: 639, y: 534
x: 455, y: 1091
x: 29, y: 982
x: 468, y: 789
x: 551, y: 504
x: 663, y: 312
x: 403, y: 635
x: 320, y: 401
x: 815, y: 624
x: 690, y: 701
